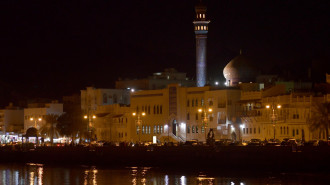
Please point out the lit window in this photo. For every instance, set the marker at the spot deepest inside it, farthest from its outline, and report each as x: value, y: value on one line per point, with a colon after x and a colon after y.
x: 203, y: 15
x: 161, y: 129
x: 204, y: 27
x: 196, y: 129
x: 193, y: 129
x: 198, y: 27
x: 202, y: 129
x: 200, y: 15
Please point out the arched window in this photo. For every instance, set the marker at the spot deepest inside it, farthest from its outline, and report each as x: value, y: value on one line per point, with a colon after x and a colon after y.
x: 154, y: 109
x: 211, y: 103
x: 204, y: 16
x: 149, y: 109
x: 196, y: 129
x: 196, y: 116
x: 188, y: 129
x: 187, y: 103
x: 293, y: 133
x: 157, y: 109
x: 281, y: 130
x: 192, y: 102
x: 115, y: 99
x: 196, y: 102
x: 188, y: 116
x: 161, y: 109
x: 105, y: 98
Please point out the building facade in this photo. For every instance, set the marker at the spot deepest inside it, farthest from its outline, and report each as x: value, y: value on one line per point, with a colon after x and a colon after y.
x: 35, y: 114
x: 276, y: 114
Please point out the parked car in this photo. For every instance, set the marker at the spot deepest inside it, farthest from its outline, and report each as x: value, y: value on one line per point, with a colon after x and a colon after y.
x: 288, y: 142
x: 312, y: 143
x: 223, y: 142
x: 191, y: 143
x: 255, y: 142
x: 273, y: 142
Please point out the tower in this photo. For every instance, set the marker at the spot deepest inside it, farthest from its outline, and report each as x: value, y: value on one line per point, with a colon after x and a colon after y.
x: 201, y: 29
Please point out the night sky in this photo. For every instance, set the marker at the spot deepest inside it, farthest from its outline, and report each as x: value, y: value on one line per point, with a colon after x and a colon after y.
x: 55, y: 48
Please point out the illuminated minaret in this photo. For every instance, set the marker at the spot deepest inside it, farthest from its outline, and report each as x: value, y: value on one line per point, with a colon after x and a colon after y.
x: 201, y: 29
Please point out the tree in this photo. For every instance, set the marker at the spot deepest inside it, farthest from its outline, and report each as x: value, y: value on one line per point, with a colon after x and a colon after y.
x: 319, y: 118
x: 70, y: 124
x: 49, y: 128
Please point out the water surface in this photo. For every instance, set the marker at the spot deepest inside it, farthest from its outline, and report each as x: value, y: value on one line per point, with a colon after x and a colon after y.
x: 48, y: 175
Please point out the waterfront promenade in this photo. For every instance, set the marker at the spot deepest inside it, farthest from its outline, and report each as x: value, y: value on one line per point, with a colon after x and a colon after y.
x: 221, y: 157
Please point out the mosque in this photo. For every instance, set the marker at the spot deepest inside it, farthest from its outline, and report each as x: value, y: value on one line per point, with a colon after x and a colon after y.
x: 241, y: 111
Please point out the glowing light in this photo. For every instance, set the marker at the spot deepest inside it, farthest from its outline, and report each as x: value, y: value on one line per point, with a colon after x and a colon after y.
x: 267, y: 106
x: 199, y: 110
x: 85, y: 117
x: 183, y: 180
x: 279, y: 106
x: 165, y: 126
x: 216, y: 83
x: 242, y: 126
x: 31, y: 119
x: 166, y: 180
x: 143, y: 113
x: 134, y: 113
x: 94, y: 116
x: 39, y: 119
x: 132, y: 90
x: 210, y: 110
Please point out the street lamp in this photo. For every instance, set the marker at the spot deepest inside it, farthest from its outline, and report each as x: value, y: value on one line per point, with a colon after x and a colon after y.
x: 89, y: 125
x: 168, y: 132
x: 35, y: 121
x: 204, y: 112
x: 273, y: 118
x: 139, y: 121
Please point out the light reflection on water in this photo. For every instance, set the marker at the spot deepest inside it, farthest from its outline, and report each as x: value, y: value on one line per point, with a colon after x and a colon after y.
x: 33, y: 174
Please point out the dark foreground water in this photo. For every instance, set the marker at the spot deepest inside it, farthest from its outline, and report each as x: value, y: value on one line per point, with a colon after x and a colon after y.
x: 61, y: 175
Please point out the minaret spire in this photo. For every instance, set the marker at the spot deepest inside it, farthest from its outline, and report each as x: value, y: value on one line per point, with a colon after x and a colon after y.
x: 201, y: 29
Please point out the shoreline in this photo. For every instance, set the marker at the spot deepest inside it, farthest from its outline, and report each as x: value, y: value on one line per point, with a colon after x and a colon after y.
x: 236, y: 158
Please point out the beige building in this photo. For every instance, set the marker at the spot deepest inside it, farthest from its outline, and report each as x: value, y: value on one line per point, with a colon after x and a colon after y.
x: 35, y: 114
x: 274, y: 113
x: 91, y: 98
x: 12, y: 119
x: 158, y: 80
x: 173, y: 113
x: 112, y: 123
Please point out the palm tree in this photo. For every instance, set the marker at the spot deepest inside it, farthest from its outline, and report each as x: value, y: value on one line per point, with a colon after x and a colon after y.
x: 319, y: 118
x: 49, y: 128
x: 71, y: 125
